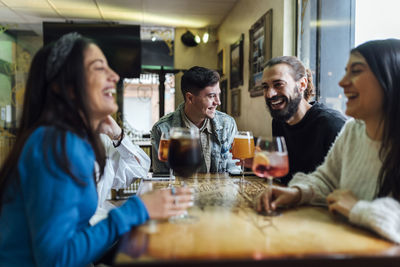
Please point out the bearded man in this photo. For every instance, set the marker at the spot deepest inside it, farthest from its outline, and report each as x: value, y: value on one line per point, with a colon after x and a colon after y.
x: 309, y: 128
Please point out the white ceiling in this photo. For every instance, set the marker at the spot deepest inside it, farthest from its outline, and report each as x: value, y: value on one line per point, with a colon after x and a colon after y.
x: 29, y: 14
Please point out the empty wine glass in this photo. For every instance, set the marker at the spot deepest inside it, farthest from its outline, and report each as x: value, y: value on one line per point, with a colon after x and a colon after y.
x: 271, y: 161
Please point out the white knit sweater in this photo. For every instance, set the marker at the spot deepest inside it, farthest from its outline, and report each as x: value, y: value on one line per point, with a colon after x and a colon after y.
x: 353, y: 163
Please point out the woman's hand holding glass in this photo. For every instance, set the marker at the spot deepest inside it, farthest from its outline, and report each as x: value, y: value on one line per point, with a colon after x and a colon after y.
x: 278, y: 197
x: 166, y: 203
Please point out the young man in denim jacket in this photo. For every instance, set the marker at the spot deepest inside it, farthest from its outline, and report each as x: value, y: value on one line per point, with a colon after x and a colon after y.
x: 200, y: 89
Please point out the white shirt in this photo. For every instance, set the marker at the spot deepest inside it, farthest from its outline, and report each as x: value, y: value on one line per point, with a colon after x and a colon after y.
x: 124, y: 164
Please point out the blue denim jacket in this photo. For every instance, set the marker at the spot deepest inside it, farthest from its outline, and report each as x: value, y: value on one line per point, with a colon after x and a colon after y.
x: 223, y: 131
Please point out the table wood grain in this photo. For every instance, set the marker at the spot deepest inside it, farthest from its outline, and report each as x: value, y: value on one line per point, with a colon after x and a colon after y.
x: 228, y: 230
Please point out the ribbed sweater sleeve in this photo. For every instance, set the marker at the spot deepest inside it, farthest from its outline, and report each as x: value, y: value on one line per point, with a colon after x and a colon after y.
x: 381, y: 215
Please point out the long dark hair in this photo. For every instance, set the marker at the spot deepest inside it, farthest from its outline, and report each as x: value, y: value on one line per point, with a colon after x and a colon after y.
x: 59, y: 102
x: 383, y: 58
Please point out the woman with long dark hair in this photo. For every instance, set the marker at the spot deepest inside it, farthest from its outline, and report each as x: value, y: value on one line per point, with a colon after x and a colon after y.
x: 360, y: 177
x: 48, y: 183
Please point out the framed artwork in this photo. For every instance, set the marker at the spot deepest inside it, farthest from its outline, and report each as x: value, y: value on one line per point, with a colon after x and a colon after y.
x: 260, y: 35
x: 223, y: 85
x: 221, y: 63
x: 235, y: 102
x: 236, y: 68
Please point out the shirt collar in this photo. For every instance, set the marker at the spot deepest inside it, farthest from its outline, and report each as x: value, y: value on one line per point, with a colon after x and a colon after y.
x: 205, y: 127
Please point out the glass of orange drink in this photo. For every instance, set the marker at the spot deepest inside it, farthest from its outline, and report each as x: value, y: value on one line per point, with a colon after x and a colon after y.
x: 243, y: 148
x: 163, y: 148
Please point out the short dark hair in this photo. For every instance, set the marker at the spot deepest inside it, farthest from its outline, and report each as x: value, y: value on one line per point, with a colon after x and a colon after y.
x: 197, y: 78
x: 383, y: 58
x: 298, y: 72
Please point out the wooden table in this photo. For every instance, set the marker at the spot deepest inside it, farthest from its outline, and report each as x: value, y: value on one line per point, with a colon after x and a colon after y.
x: 229, y: 231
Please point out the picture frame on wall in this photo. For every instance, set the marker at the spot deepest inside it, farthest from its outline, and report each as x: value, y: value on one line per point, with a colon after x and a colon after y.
x: 223, y: 85
x: 236, y: 63
x: 235, y: 102
x: 260, y: 35
x: 221, y: 63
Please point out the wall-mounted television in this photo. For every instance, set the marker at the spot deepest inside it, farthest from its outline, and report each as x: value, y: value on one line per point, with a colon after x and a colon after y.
x: 120, y: 43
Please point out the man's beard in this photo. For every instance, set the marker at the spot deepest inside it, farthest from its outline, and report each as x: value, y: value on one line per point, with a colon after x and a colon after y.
x: 287, y: 112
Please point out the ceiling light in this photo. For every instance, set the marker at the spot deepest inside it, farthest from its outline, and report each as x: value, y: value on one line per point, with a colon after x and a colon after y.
x: 197, y: 39
x: 205, y: 37
x: 153, y: 36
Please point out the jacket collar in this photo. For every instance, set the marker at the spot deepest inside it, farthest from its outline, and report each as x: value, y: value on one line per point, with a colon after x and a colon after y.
x: 178, y: 122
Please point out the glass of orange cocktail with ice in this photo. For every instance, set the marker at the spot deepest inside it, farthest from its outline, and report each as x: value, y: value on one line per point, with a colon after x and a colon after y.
x: 271, y: 161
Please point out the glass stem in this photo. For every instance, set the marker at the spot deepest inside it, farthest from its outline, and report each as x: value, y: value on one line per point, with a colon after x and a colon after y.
x: 242, y: 180
x: 170, y: 177
x: 269, y: 195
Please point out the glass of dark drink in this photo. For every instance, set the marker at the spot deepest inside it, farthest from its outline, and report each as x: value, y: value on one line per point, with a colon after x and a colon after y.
x: 271, y: 161
x: 184, y: 157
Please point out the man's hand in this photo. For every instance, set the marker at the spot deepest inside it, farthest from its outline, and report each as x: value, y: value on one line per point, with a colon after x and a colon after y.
x: 341, y: 201
x: 248, y: 163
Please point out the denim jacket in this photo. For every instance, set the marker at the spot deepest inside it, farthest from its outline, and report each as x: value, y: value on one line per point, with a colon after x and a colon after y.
x: 223, y: 131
